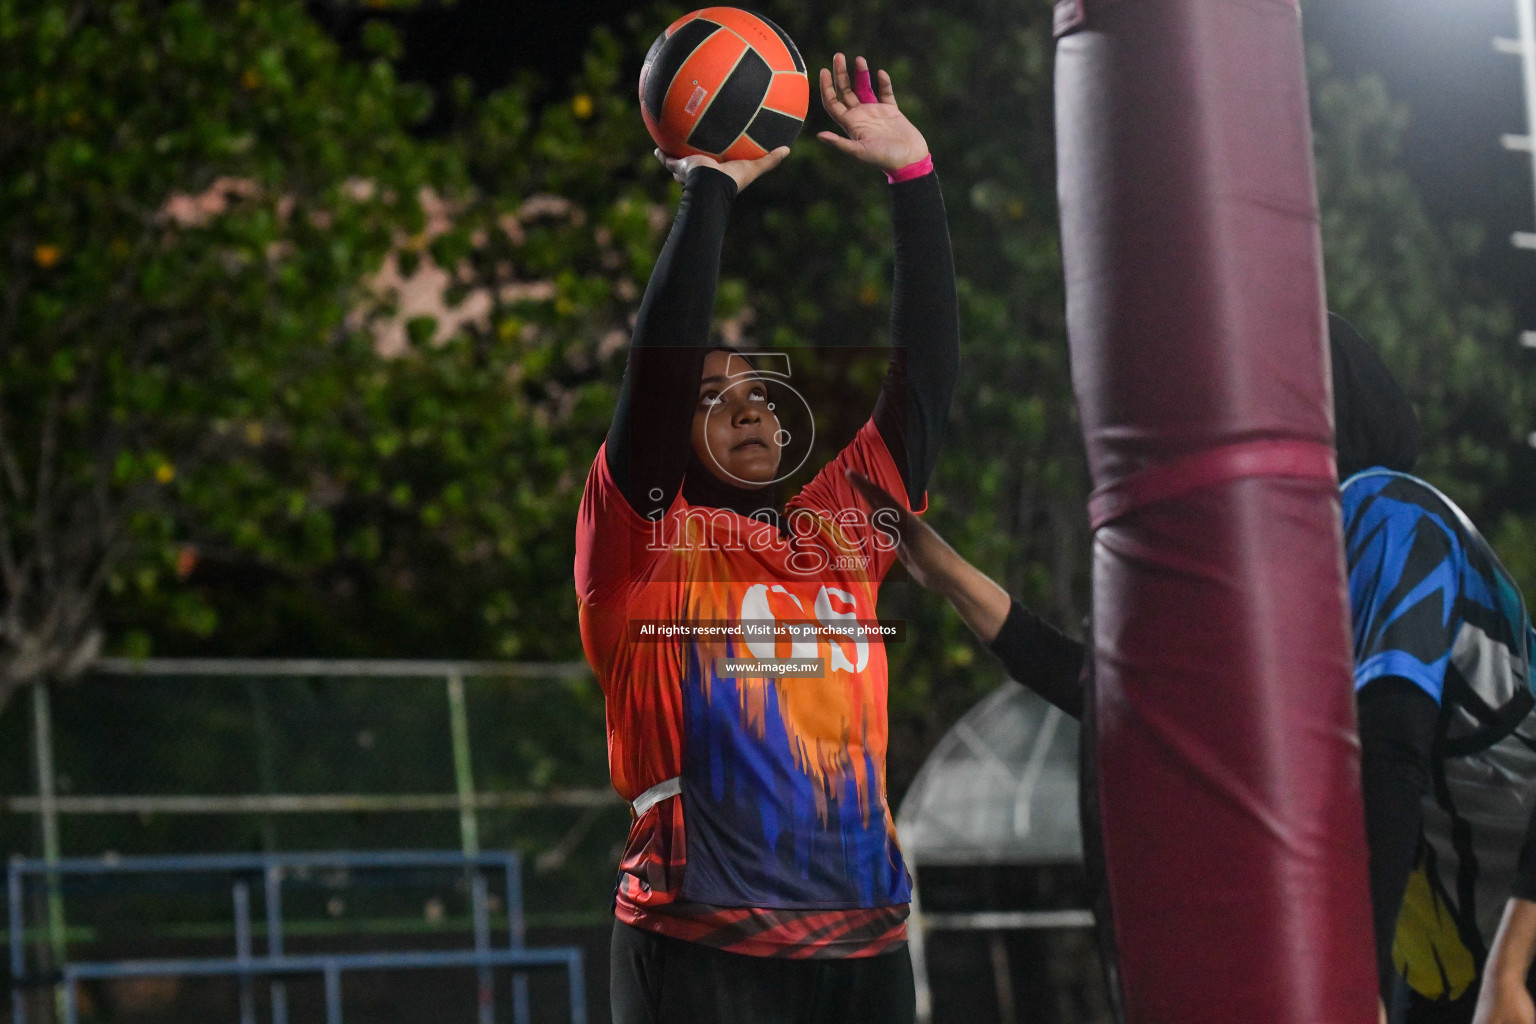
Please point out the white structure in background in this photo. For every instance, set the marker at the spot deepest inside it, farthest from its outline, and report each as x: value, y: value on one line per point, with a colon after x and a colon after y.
x: 1525, y: 48
x: 999, y: 789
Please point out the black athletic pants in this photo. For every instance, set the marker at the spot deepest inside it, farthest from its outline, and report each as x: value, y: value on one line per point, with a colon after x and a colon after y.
x: 658, y: 980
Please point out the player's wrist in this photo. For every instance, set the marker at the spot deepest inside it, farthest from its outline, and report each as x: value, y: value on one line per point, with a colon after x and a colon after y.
x: 910, y: 169
x: 710, y: 175
x: 1507, y: 977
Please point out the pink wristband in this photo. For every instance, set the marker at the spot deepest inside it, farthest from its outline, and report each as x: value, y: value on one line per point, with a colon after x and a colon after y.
x: 907, y: 173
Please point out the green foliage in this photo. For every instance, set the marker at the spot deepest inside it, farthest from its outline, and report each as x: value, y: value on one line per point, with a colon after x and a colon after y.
x: 1405, y: 284
x: 187, y: 233
x: 205, y: 419
x: 455, y: 477
x: 281, y: 379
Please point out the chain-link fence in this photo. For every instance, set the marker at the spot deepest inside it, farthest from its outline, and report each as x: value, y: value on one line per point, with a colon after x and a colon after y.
x: 169, y: 756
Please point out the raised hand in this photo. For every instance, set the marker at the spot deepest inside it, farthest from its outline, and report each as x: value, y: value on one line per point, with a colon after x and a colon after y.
x: 878, y: 132
x: 743, y: 172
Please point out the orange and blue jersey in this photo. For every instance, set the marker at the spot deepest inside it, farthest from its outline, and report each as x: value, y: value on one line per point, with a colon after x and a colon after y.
x: 781, y: 841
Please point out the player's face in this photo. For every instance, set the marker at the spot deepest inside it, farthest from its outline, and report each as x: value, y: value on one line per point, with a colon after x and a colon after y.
x: 735, y: 431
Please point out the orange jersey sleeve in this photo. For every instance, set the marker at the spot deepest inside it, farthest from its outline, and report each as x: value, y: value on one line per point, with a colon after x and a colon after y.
x: 831, y: 495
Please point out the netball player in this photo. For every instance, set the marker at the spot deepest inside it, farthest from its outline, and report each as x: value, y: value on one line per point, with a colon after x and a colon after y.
x: 761, y: 881
x: 1443, y: 646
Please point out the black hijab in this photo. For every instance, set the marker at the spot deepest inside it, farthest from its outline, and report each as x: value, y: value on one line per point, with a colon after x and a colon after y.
x: 702, y: 487
x: 1374, y: 423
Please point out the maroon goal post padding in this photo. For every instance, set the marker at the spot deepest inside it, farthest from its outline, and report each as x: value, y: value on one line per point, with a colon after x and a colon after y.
x: 1226, y: 756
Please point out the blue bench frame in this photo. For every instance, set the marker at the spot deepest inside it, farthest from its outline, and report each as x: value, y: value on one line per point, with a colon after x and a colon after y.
x: 332, y: 966
x: 274, y: 869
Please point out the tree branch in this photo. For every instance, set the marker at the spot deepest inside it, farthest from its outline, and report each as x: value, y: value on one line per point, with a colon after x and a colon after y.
x: 42, y: 512
x: 9, y: 466
x: 9, y: 571
x: 13, y: 293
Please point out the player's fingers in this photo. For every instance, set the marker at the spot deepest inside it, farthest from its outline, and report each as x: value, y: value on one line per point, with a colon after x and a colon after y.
x: 887, y: 93
x: 829, y: 100
x: 673, y: 165
x: 861, y: 84
x: 682, y: 166
x: 840, y: 79
x: 839, y: 143
x: 745, y: 172
x: 771, y: 160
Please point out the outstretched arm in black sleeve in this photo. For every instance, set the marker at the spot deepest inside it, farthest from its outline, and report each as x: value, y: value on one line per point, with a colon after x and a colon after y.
x: 925, y: 333
x: 648, y: 440
x: 1397, y: 733
x: 1041, y: 657
x: 1033, y: 651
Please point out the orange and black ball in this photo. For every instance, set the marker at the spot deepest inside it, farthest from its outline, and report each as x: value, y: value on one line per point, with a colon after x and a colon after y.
x: 723, y: 82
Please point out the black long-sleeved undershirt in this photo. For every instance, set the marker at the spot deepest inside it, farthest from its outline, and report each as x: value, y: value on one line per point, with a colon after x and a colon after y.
x: 649, y: 442
x: 1397, y: 719
x: 1041, y: 657
x: 1525, y: 871
x: 925, y: 334
x: 648, y: 439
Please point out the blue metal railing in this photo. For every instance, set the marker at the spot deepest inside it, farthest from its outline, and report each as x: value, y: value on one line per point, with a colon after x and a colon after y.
x: 274, y: 869
x: 331, y: 966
